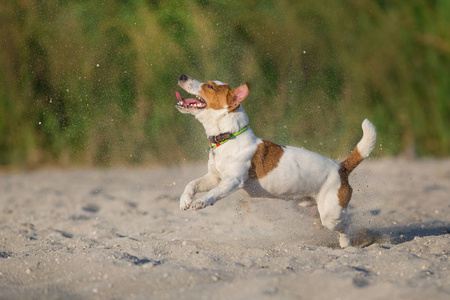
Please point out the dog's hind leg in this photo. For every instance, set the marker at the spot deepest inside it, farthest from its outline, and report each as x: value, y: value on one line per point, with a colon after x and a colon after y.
x: 333, y: 215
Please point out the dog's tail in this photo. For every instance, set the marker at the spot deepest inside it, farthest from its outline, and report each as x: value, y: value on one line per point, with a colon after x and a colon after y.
x: 363, y: 149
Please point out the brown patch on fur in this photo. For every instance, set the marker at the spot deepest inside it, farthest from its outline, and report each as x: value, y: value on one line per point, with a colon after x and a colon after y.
x: 220, y: 96
x: 348, y: 165
x: 345, y: 190
x: 216, y: 96
x: 265, y: 159
x: 353, y: 160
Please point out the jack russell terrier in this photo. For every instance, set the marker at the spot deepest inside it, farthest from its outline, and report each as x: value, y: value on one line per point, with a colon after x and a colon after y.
x: 240, y: 160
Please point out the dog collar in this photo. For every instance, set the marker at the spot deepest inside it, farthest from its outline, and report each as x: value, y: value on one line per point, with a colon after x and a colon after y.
x: 216, y: 141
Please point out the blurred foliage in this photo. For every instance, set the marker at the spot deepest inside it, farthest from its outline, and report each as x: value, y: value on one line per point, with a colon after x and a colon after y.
x: 93, y: 82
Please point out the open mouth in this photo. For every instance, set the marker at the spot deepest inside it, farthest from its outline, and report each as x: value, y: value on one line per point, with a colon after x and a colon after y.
x: 195, y: 103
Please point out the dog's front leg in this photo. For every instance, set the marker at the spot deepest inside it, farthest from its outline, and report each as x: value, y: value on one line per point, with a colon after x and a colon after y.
x: 227, y: 186
x: 202, y: 184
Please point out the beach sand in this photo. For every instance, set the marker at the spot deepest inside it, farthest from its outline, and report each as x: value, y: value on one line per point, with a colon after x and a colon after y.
x: 119, y: 234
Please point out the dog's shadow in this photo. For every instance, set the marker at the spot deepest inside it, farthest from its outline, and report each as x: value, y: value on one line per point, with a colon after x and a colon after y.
x: 395, y: 235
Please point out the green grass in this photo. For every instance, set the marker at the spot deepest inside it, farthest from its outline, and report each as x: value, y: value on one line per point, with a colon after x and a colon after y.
x: 88, y: 83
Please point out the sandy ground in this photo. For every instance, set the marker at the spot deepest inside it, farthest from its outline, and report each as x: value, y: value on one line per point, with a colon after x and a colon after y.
x: 118, y: 234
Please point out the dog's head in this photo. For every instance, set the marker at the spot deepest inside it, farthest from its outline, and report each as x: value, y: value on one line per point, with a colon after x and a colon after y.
x: 214, y: 95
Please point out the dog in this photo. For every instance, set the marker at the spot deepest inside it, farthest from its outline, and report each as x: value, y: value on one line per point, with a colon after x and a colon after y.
x: 240, y: 160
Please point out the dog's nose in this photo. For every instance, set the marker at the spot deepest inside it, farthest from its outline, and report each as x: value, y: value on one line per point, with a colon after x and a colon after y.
x: 183, y: 77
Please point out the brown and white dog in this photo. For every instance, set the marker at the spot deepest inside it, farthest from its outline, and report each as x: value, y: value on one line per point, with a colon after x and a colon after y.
x: 240, y: 160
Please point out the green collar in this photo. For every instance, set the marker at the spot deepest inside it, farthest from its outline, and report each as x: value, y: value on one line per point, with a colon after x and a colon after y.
x: 219, y: 140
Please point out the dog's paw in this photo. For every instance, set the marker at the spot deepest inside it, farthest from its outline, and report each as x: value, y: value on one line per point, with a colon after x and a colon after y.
x: 201, y: 203
x: 198, y: 205
x: 185, y: 202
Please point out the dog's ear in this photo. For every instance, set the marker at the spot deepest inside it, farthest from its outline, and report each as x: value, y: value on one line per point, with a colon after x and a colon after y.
x: 239, y: 94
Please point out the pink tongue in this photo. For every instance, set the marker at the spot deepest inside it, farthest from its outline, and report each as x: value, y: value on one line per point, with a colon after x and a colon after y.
x: 178, y: 96
x: 187, y: 101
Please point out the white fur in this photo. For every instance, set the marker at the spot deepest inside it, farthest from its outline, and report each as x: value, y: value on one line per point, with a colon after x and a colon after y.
x: 367, y: 143
x: 300, y: 173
